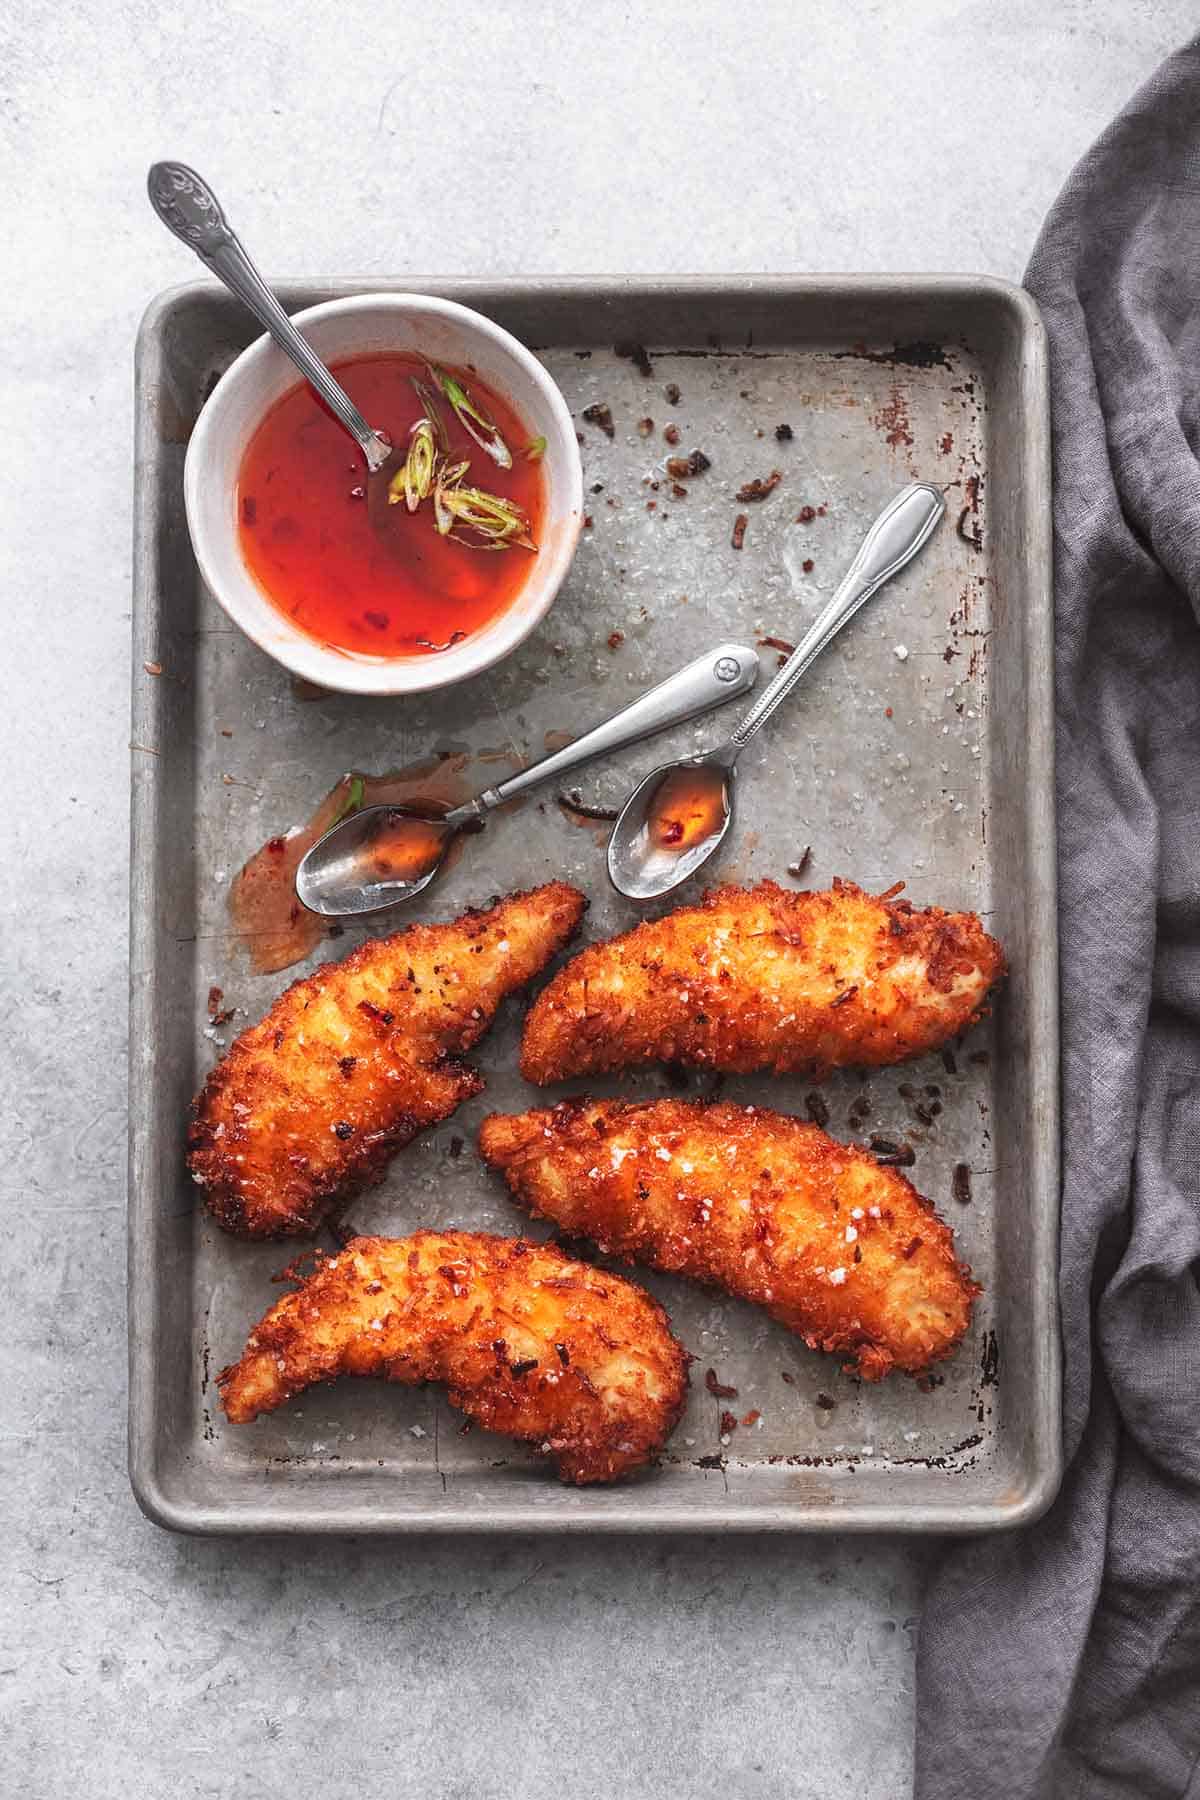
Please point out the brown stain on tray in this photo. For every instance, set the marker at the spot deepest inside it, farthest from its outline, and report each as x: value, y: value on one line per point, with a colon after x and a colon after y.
x: 921, y: 354
x: 892, y: 419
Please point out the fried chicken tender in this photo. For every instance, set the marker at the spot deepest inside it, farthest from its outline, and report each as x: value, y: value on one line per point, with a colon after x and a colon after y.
x: 580, y: 1363
x: 839, y: 1249
x: 308, y: 1106
x: 761, y: 978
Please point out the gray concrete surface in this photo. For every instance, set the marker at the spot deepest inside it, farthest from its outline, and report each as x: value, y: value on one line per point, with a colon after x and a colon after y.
x: 377, y: 139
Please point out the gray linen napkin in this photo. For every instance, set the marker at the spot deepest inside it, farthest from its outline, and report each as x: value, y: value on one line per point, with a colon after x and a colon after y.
x: 1064, y: 1660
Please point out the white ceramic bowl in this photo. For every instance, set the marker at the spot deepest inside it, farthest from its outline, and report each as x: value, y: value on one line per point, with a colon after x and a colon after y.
x: 444, y: 332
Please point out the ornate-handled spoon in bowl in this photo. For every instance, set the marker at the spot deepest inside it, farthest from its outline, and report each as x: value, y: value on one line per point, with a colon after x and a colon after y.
x: 674, y: 820
x: 187, y: 206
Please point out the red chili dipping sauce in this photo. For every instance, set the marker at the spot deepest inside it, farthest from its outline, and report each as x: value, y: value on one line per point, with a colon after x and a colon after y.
x: 393, y: 584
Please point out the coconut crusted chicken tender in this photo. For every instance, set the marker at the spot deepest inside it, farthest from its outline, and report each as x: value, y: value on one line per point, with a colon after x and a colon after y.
x: 761, y: 978
x: 308, y: 1106
x: 577, y: 1362
x: 839, y: 1249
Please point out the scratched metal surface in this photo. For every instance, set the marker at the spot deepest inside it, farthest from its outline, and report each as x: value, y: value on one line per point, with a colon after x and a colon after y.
x: 918, y: 750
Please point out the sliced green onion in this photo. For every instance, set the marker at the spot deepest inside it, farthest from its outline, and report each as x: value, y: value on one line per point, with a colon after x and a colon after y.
x: 351, y: 803
x: 419, y: 464
x: 446, y: 482
x: 476, y: 424
x: 490, y: 522
x: 413, y: 480
x: 535, y: 449
x: 432, y: 412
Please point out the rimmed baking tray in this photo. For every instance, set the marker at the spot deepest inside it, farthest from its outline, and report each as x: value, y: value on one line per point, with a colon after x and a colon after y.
x: 920, y: 749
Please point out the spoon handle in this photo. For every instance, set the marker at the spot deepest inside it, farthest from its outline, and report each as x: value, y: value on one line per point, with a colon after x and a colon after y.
x: 187, y: 206
x: 901, y: 529
x: 722, y: 674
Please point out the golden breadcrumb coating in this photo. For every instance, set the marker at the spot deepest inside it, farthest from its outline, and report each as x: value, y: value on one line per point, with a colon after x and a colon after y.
x: 577, y: 1362
x: 761, y: 978
x: 308, y: 1106
x: 839, y: 1249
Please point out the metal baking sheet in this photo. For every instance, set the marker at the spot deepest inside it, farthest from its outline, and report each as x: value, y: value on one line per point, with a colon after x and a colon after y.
x: 920, y: 749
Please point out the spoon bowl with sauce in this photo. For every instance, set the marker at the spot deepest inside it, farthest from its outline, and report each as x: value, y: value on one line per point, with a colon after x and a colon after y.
x: 685, y: 810
x: 678, y: 816
x: 379, y: 856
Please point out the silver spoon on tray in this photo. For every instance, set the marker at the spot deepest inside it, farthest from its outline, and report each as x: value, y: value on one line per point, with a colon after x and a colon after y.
x: 674, y: 820
x: 383, y: 855
x: 187, y: 206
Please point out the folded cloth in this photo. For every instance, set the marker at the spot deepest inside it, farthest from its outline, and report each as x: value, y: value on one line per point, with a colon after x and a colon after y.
x: 1063, y: 1661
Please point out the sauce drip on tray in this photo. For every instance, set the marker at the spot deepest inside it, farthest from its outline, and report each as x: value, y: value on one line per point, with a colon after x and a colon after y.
x: 266, y: 915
